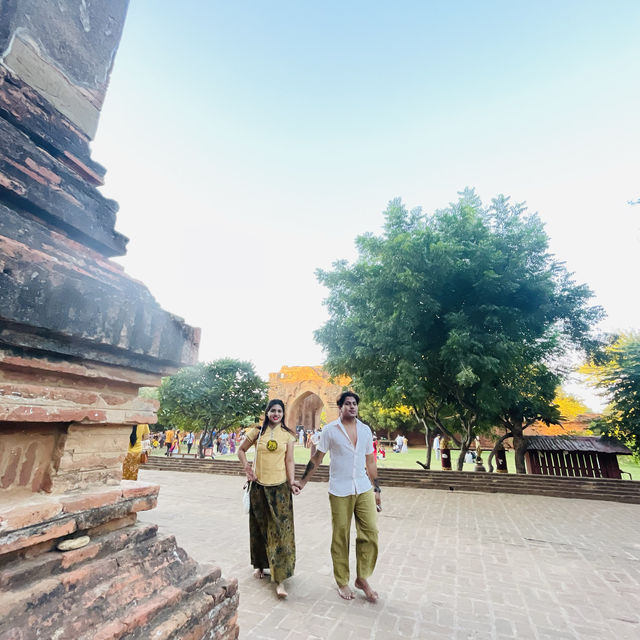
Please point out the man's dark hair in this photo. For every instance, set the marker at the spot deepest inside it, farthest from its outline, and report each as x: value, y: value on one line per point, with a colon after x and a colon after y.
x: 347, y: 394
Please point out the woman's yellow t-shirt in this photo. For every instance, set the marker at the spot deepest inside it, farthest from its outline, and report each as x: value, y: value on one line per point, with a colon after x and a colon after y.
x: 141, y: 432
x: 270, y: 465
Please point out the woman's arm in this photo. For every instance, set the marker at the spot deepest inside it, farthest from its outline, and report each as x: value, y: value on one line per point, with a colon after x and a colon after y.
x: 242, y: 456
x: 290, y: 466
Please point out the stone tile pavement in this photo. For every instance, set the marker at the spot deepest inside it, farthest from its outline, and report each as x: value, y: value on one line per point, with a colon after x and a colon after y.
x: 451, y: 565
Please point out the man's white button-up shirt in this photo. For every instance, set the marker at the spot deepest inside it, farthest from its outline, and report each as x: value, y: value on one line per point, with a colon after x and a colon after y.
x: 347, y: 468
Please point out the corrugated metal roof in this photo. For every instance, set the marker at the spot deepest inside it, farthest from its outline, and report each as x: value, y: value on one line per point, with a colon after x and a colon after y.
x: 575, y: 443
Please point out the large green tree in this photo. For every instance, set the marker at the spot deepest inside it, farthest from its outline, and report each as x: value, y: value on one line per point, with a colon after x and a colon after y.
x: 462, y: 315
x: 215, y: 395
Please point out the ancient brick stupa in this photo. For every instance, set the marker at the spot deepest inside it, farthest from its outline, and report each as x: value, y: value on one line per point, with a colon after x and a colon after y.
x: 78, y: 338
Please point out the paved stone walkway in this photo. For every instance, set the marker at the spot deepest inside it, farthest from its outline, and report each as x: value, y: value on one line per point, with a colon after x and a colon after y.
x: 451, y: 565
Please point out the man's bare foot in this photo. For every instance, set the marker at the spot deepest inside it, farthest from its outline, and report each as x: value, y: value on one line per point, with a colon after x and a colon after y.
x: 258, y: 573
x: 345, y: 592
x: 281, y: 592
x: 369, y: 593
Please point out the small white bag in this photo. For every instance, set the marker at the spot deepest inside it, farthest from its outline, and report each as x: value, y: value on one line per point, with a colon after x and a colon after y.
x: 246, y: 490
x: 246, y: 497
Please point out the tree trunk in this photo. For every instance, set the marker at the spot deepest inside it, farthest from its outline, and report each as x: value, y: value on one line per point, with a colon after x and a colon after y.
x: 464, y: 447
x: 203, y: 439
x: 519, y: 444
x: 428, y: 438
x: 496, y: 447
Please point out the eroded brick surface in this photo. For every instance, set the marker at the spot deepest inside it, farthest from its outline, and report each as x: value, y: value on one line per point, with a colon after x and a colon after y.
x: 129, y: 583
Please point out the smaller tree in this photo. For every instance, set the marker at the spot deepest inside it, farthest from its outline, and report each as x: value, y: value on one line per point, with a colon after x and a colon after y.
x: 570, y: 406
x: 381, y: 418
x: 619, y: 376
x: 216, y: 395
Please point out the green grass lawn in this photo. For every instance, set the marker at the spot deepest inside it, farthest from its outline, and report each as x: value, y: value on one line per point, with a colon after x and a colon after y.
x: 408, y: 460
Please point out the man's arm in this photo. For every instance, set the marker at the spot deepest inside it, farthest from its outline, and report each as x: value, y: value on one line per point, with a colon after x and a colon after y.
x: 312, y: 465
x: 372, y: 472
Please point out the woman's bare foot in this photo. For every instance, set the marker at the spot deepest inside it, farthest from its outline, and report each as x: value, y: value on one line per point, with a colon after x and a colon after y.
x: 258, y: 573
x: 281, y: 592
x: 345, y: 592
x: 369, y: 593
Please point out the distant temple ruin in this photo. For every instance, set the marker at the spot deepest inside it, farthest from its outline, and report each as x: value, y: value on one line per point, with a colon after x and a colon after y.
x: 309, y: 394
x: 78, y: 338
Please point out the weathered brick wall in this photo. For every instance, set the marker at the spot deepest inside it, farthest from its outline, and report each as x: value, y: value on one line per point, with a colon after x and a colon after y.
x: 78, y: 338
x: 28, y: 457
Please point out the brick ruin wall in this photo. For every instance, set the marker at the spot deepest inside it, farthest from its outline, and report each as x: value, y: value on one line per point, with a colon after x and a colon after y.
x: 78, y: 338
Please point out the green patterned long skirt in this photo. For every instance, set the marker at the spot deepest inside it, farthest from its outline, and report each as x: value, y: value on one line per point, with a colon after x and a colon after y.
x: 271, y: 534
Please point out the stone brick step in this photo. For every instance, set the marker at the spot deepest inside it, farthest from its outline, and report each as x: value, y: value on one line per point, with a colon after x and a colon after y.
x: 115, y: 596
x: 194, y: 618
x: 22, y: 571
x: 223, y: 467
x: 102, y: 588
x: 499, y: 480
x: 417, y: 476
x: 557, y: 486
x: 168, y: 613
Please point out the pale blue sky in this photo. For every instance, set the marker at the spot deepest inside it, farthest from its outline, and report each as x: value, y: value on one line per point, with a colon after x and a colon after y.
x: 248, y: 143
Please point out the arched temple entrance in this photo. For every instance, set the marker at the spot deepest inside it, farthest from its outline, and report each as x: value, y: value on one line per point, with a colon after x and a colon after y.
x: 307, y: 410
x: 308, y: 394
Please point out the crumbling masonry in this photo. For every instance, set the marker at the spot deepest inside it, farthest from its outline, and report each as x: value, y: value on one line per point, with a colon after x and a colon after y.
x: 78, y: 338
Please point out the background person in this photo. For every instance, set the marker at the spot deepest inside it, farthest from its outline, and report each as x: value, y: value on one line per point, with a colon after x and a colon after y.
x: 271, y: 530
x: 188, y: 439
x: 139, y: 432
x: 168, y: 440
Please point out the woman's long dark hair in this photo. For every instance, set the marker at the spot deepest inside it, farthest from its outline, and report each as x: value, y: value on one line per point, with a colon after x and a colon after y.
x: 265, y: 423
x: 134, y: 435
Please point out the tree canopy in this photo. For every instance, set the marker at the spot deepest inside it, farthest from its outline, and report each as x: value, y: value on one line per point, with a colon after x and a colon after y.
x: 215, y: 395
x: 462, y: 315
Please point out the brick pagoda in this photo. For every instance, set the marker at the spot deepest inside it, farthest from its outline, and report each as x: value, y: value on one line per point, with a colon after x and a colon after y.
x: 78, y: 338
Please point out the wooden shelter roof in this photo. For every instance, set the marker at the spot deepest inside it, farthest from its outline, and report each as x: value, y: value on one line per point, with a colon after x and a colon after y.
x: 576, y: 443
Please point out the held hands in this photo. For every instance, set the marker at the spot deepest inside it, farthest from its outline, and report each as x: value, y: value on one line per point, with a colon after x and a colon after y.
x: 378, y: 502
x: 295, y: 489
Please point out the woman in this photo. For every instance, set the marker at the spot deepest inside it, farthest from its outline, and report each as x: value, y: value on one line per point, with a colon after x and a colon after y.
x: 272, y: 538
x: 131, y: 464
x: 232, y: 443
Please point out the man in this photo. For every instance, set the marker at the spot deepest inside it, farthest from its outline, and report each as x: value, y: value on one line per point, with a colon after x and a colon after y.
x: 436, y: 446
x: 189, y: 441
x: 352, y: 469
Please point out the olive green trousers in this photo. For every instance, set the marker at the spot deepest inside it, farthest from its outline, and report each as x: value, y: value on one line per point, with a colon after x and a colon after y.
x: 363, y: 508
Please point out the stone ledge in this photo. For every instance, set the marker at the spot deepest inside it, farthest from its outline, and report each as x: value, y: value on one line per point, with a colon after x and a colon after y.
x: 50, y: 517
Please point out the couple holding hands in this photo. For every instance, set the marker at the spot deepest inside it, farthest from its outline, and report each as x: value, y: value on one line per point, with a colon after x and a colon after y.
x: 353, y: 492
